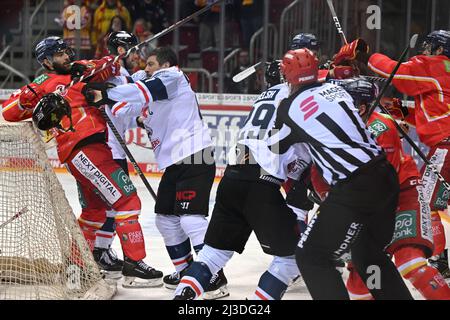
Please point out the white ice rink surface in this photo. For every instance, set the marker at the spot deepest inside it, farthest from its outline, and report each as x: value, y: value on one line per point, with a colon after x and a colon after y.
x: 243, y: 271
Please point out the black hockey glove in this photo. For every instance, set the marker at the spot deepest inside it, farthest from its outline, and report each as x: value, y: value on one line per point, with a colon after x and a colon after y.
x: 77, y: 70
x: 96, y: 94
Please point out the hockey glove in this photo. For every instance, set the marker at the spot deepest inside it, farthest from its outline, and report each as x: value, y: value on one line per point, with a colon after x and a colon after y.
x: 30, y: 96
x: 349, y: 51
x: 96, y: 93
x: 397, y: 110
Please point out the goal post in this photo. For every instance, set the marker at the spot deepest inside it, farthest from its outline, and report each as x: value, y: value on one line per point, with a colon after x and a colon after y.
x: 43, y: 254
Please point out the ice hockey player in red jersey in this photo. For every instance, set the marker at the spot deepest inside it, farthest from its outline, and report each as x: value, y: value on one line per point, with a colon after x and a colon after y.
x: 413, y: 239
x: 425, y: 77
x: 81, y: 146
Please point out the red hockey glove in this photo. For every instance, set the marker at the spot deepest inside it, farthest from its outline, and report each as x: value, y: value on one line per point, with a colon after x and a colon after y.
x: 343, y: 72
x: 85, y: 67
x: 30, y: 95
x: 397, y: 110
x: 349, y: 51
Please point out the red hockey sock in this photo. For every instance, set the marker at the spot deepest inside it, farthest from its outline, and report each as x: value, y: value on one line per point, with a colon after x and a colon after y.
x: 89, y: 232
x: 427, y: 280
x: 131, y: 238
x: 356, y: 287
x: 438, y: 233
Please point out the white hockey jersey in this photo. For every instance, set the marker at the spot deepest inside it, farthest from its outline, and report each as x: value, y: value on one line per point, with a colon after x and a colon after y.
x: 123, y: 123
x: 257, y: 135
x: 174, y: 123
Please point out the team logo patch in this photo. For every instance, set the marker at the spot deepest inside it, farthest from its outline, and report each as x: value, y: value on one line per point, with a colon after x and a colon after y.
x: 405, y: 225
x: 447, y: 66
x: 123, y: 181
x: 106, y: 188
x: 377, y: 128
x: 41, y: 79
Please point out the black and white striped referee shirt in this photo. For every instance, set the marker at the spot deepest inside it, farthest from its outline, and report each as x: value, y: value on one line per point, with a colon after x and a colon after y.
x: 324, y: 117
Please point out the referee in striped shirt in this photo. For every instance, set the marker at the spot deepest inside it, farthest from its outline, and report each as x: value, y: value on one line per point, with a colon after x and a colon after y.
x: 358, y: 215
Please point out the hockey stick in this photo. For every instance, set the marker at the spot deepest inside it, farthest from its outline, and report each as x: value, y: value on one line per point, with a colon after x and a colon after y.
x: 128, y: 153
x: 412, y: 44
x: 246, y: 73
x: 136, y: 47
x: 14, y: 217
x: 336, y: 22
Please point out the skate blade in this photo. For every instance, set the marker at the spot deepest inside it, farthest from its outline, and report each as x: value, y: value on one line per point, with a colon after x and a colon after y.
x: 170, y: 286
x: 134, y: 282
x: 220, y: 293
x: 111, y: 275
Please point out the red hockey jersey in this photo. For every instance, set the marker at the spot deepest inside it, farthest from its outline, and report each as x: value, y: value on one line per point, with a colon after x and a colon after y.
x: 426, y: 78
x: 87, y: 120
x: 383, y: 128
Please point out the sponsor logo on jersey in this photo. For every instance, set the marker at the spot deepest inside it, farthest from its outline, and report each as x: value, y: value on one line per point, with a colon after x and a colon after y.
x: 309, y: 107
x: 447, y: 66
x: 106, y: 188
x: 426, y: 230
x: 41, y: 79
x: 186, y: 195
x: 430, y: 180
x: 405, y: 225
x: 333, y: 93
x: 123, y: 181
x: 377, y: 127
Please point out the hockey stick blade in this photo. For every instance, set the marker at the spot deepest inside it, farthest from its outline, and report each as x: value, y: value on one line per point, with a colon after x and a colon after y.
x: 246, y: 73
x: 413, y: 41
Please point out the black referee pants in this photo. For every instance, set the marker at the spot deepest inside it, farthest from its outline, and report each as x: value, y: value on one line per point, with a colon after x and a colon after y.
x: 358, y: 216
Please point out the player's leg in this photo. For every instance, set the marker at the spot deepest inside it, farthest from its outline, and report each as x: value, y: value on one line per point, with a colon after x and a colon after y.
x: 177, y: 242
x: 227, y: 232
x: 274, y: 282
x: 277, y: 230
x: 412, y: 264
x: 368, y: 256
x: 93, y: 166
x: 437, y: 196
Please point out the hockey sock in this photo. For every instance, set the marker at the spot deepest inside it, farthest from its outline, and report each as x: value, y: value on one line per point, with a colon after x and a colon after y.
x: 197, y: 277
x: 89, y: 232
x: 105, y: 236
x: 427, y: 280
x: 438, y: 233
x: 131, y: 238
x: 198, y: 247
x: 356, y: 287
x: 269, y: 288
x: 180, y: 255
x: 195, y: 227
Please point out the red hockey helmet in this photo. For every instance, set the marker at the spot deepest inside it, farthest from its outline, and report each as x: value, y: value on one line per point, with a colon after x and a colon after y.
x: 300, y: 66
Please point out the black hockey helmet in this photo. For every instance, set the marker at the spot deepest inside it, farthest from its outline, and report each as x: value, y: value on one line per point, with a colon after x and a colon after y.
x: 50, y: 110
x: 47, y: 47
x: 305, y: 40
x: 361, y: 90
x: 436, y: 39
x: 123, y: 39
x: 272, y: 74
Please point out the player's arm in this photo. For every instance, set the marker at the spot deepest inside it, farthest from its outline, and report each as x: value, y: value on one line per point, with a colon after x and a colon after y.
x: 21, y: 103
x: 404, y: 81
x: 85, y: 67
x: 142, y: 92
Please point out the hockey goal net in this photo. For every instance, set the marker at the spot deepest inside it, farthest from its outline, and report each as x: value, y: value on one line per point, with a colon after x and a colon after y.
x: 43, y: 254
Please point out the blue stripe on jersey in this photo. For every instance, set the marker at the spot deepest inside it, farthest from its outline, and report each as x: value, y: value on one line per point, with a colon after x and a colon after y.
x: 156, y: 88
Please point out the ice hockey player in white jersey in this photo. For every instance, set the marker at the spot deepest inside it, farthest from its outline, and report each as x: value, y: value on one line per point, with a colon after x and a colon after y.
x: 249, y: 199
x: 359, y: 211
x: 183, y: 147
